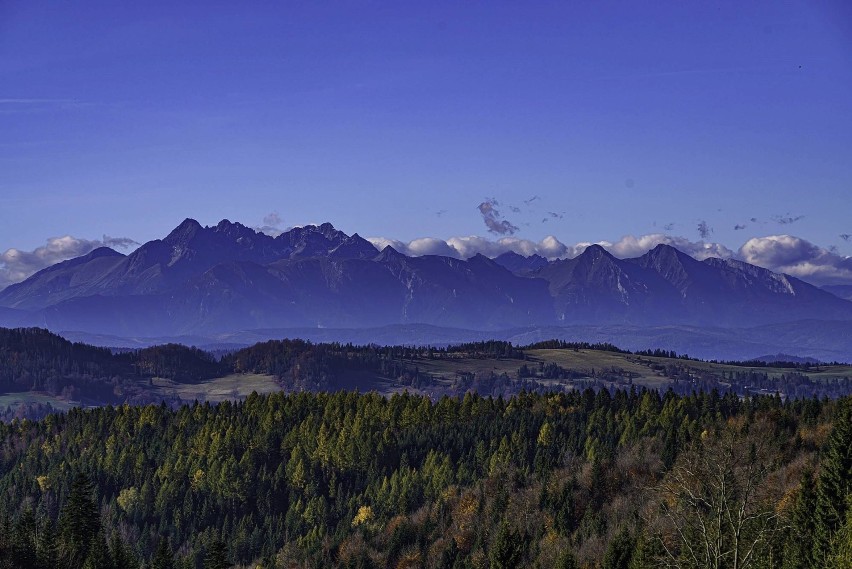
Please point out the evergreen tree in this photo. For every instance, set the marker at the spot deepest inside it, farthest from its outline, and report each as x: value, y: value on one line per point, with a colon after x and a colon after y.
x: 79, y: 522
x: 122, y: 558
x: 798, y: 549
x: 507, y: 549
x: 834, y: 483
x: 163, y: 558
x: 99, y: 557
x: 567, y: 560
x: 217, y: 555
x: 23, y: 545
x: 841, y: 549
x: 449, y: 556
x: 46, y: 546
x: 619, y: 552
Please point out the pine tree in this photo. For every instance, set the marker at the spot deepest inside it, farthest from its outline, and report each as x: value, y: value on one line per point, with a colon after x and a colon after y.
x: 567, y: 560
x: 834, y: 483
x: 23, y: 544
x: 449, y: 556
x: 163, y: 558
x: 619, y: 551
x: 217, y: 555
x: 79, y: 522
x: 507, y: 550
x: 841, y: 549
x: 122, y: 558
x: 46, y: 546
x: 798, y: 550
x: 99, y: 557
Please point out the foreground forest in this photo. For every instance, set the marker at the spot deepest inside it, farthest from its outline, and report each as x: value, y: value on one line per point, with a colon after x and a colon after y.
x: 597, y: 479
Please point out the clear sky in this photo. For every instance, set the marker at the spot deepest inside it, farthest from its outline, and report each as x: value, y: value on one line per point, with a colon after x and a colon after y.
x: 400, y: 120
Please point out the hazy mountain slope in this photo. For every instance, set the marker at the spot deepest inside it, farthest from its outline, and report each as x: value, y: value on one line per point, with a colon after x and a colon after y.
x: 842, y: 291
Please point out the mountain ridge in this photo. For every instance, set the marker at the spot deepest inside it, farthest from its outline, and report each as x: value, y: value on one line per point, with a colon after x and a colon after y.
x: 228, y: 277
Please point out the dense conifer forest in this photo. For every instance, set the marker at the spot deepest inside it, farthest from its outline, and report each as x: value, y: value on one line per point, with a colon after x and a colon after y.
x: 622, y: 479
x: 537, y: 465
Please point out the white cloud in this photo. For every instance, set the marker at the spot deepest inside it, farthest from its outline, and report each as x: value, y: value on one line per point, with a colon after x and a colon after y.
x: 632, y: 246
x: 272, y: 225
x: 780, y: 253
x: 381, y: 242
x: 550, y: 247
x: 16, y: 265
x: 799, y: 258
x: 430, y: 246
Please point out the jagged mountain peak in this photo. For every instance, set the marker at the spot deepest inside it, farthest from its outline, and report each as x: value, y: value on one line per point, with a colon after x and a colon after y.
x: 666, y: 251
x: 185, y: 230
x: 594, y: 253
x: 389, y: 255
x: 519, y: 264
x: 99, y: 252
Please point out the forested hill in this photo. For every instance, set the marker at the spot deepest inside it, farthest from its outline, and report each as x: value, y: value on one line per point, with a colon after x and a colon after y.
x: 38, y: 360
x: 41, y: 372
x: 581, y: 479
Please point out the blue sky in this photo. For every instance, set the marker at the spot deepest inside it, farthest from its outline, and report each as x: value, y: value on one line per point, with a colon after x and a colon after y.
x: 396, y: 120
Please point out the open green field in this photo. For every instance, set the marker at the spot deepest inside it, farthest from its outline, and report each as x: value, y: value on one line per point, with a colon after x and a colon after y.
x: 641, y: 365
x: 231, y: 387
x: 15, y: 399
x: 586, y: 362
x: 235, y: 386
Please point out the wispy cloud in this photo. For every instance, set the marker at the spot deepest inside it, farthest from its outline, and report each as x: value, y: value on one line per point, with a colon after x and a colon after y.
x: 36, y: 101
x: 493, y: 220
x: 786, y: 219
x: 272, y: 224
x: 704, y: 230
x: 11, y: 105
x: 16, y: 265
x: 739, y: 226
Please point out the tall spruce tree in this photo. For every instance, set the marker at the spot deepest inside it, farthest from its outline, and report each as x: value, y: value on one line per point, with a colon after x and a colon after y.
x: 217, y: 555
x: 79, y: 522
x: 798, y: 549
x: 834, y: 483
x: 164, y: 557
x: 46, y: 545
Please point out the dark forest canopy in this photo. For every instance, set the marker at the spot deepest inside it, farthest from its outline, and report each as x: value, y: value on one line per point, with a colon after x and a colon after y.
x: 580, y: 479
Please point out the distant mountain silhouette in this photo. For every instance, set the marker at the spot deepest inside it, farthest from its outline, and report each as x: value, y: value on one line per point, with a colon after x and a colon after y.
x: 843, y: 291
x: 206, y: 280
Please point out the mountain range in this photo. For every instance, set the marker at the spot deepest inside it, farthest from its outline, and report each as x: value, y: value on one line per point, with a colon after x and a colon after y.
x: 226, y: 278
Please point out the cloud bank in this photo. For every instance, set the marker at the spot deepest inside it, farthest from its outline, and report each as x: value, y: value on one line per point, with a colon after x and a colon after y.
x: 16, y: 265
x: 780, y: 253
x: 799, y: 258
x: 550, y: 247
